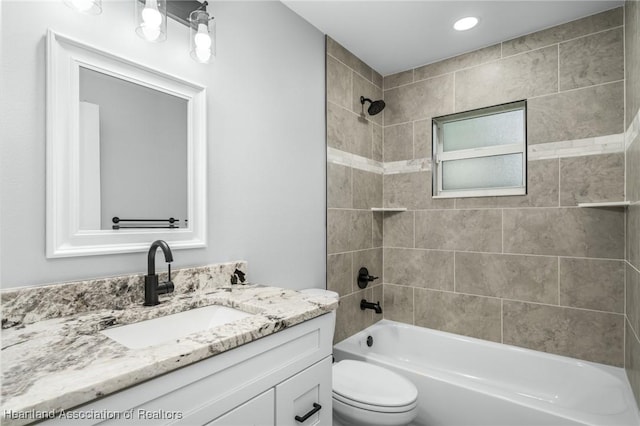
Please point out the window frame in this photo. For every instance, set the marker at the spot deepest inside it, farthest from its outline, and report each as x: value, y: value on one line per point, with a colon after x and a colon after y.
x: 439, y: 155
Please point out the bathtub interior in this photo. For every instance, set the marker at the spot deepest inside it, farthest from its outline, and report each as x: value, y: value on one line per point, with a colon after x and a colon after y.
x: 587, y: 392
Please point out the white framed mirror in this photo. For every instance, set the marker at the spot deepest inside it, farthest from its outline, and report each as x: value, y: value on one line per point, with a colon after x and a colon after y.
x: 126, y: 154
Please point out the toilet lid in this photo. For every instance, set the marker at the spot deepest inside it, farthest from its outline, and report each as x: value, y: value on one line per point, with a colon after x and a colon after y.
x: 372, y: 385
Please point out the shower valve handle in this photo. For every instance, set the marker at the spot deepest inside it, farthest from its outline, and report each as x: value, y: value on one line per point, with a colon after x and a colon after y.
x: 364, y: 278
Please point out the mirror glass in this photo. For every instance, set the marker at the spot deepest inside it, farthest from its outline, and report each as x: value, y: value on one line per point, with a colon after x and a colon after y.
x: 133, y: 155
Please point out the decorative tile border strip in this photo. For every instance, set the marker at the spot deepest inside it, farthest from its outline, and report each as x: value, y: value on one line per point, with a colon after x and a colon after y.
x: 336, y: 156
x: 574, y: 148
x: 407, y: 166
x: 632, y: 131
x: 578, y: 147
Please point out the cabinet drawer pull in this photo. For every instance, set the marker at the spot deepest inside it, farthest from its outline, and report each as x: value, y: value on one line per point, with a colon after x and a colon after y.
x: 315, y: 409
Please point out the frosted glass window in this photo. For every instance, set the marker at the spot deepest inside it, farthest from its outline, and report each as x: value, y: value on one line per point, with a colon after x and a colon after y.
x: 496, y: 129
x: 481, y: 152
x: 501, y: 171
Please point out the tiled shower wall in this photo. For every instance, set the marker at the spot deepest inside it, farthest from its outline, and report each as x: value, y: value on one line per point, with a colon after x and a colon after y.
x: 354, y: 186
x: 534, y: 271
x: 632, y: 138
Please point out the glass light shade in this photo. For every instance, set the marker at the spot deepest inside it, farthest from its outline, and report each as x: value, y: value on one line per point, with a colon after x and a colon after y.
x: 202, y: 43
x: 89, y: 7
x: 151, y: 19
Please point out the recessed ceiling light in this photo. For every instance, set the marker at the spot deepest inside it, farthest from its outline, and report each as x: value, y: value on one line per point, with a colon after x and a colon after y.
x: 465, y: 23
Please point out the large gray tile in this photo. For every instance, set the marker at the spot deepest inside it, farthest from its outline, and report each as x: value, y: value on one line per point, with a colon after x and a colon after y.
x: 632, y: 361
x: 377, y: 296
x: 576, y: 232
x: 413, y: 191
x: 472, y: 316
x: 338, y: 83
x: 350, y: 319
x: 398, y: 229
x: 348, y: 230
x: 633, y: 235
x: 377, y: 142
x: 339, y: 186
x: 367, y: 189
x: 577, y: 114
x: 416, y: 101
x: 398, y: 79
x: 588, y: 335
x: 398, y: 142
x: 592, y: 284
x: 590, y: 24
x: 339, y: 273
x: 378, y: 228
x: 336, y: 50
x: 398, y: 303
x: 593, y: 178
x: 511, y: 79
x: 632, y: 289
x: 542, y: 189
x: 527, y: 278
x: 370, y: 259
x: 347, y: 132
x: 377, y: 78
x: 419, y: 268
x: 632, y: 58
x: 594, y: 59
x: 459, y: 62
x: 469, y: 230
x: 362, y: 87
x: 422, y: 141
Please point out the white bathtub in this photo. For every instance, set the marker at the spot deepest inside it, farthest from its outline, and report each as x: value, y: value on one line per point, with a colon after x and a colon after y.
x: 466, y: 381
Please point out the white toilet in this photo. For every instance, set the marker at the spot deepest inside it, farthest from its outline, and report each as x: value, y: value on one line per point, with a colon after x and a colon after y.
x: 369, y: 395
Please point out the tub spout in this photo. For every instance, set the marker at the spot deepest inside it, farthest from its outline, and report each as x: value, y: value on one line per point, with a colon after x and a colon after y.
x: 369, y: 305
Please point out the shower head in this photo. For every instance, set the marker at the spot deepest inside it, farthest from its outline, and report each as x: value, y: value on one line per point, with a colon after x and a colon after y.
x: 376, y: 106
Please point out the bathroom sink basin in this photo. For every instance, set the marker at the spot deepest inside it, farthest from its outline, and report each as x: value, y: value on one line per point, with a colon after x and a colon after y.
x: 171, y: 327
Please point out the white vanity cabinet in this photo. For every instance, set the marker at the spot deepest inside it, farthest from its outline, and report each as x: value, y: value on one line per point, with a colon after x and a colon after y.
x: 269, y: 381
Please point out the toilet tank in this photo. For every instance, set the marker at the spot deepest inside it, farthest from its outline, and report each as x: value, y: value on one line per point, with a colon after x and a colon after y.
x: 324, y: 293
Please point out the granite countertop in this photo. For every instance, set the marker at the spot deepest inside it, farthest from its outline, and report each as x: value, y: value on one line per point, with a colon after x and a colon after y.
x: 60, y: 363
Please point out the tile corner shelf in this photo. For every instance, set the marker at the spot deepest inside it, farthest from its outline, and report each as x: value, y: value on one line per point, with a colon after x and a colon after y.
x: 388, y: 209
x: 606, y: 204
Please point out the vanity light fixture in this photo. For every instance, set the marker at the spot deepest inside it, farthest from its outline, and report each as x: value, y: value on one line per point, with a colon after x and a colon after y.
x: 89, y: 7
x: 465, y: 24
x: 202, y: 42
x: 151, y: 17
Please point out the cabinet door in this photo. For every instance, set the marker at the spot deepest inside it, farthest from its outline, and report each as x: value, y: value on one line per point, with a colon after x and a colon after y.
x: 303, y: 393
x: 255, y: 412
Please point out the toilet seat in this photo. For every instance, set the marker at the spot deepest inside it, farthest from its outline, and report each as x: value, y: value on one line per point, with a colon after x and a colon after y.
x: 373, y: 388
x: 375, y: 408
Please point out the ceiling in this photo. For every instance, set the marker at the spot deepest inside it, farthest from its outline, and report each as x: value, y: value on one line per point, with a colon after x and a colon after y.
x: 393, y: 36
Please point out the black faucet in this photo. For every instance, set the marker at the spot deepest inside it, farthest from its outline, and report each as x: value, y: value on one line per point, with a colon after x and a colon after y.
x: 369, y: 305
x: 151, y: 286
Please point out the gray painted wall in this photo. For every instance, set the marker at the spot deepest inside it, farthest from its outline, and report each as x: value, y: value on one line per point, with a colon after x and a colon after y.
x: 266, y: 139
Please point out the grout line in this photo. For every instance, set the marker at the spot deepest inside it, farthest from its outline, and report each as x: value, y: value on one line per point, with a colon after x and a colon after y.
x: 454, y: 271
x: 558, y: 76
x: 559, y: 281
x: 559, y: 182
x: 507, y: 299
x: 501, y: 254
x: 413, y: 295
x: 573, y: 90
x: 414, y: 229
x: 501, y: 320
